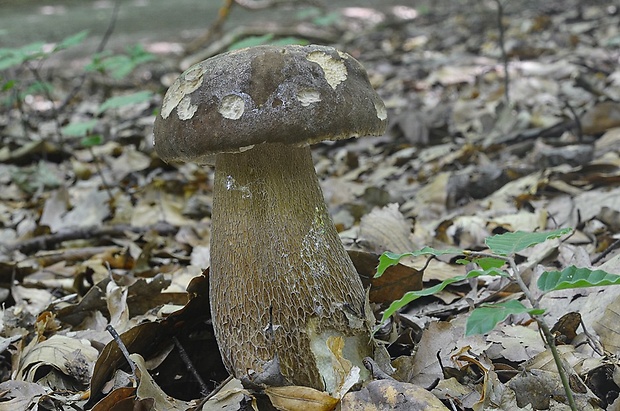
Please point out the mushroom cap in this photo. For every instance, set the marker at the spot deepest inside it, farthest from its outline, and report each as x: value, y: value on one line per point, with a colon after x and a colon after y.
x: 267, y: 94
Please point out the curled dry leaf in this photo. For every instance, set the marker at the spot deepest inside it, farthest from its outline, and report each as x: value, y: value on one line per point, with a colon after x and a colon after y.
x: 72, y: 357
x: 294, y: 398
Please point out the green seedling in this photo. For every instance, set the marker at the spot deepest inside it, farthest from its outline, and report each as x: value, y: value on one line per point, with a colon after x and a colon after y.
x: 500, y: 262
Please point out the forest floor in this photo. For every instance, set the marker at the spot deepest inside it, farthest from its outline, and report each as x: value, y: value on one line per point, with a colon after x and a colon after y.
x: 490, y: 131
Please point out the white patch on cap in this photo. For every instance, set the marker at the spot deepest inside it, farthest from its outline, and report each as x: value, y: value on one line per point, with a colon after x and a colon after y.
x: 185, y: 109
x: 187, y: 82
x: 335, y: 71
x: 231, y: 107
x: 307, y: 96
x: 381, y: 111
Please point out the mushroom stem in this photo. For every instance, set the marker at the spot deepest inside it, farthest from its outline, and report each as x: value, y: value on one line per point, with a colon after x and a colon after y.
x: 283, y: 289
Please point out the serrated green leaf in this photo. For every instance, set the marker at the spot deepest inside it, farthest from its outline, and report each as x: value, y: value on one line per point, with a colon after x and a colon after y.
x: 574, y: 277
x: 511, y: 243
x: 484, y: 319
x: 414, y: 295
x: 125, y: 100
x: 389, y: 259
x: 80, y: 129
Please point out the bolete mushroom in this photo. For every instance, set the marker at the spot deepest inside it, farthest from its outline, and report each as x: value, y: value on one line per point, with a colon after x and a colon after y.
x: 284, y: 294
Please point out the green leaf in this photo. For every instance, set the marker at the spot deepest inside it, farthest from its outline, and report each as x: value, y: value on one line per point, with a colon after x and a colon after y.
x: 14, y: 57
x: 251, y: 41
x: 91, y: 141
x: 119, y: 65
x: 71, y: 41
x: 389, y: 259
x: 414, y: 295
x: 511, y: 243
x: 489, y: 262
x: 79, y: 129
x: 492, y: 271
x: 484, y: 319
x: 125, y: 100
x: 573, y: 277
x: 8, y: 85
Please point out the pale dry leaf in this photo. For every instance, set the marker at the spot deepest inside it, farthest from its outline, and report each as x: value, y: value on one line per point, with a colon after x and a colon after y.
x: 116, y: 300
x: 229, y: 397
x: 158, y: 205
x: 90, y: 207
x: 54, y: 209
x: 73, y: 357
x: 147, y: 388
x: 391, y: 395
x: 514, y: 343
x: 293, y: 398
x: 20, y: 395
x: 386, y: 229
x: 448, y: 388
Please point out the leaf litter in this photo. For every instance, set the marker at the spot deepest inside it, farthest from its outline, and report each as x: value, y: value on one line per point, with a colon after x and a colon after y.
x: 110, y: 235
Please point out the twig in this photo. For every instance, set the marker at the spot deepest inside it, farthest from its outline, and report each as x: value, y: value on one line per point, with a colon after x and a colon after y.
x: 215, y: 29
x: 606, y: 252
x: 218, y: 388
x: 576, y: 120
x: 46, y: 242
x: 122, y: 347
x: 204, y: 390
x: 106, y: 187
x: 502, y: 46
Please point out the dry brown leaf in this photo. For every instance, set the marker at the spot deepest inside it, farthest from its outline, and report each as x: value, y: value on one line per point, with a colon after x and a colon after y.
x: 395, y: 282
x: 601, y: 117
x: 294, y: 398
x: 20, y: 395
x: 391, y: 395
x: 74, y: 358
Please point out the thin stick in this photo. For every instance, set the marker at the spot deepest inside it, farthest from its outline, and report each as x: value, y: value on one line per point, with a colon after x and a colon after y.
x: 204, y: 390
x: 121, y: 346
x: 46, y: 242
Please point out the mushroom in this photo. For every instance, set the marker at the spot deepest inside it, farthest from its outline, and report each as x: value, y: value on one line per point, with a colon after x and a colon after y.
x: 284, y: 294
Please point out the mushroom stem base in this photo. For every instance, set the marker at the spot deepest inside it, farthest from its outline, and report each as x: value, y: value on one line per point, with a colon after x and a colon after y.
x: 288, y: 306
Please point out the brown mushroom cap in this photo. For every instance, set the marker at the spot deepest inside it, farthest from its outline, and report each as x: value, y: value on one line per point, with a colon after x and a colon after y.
x: 277, y: 94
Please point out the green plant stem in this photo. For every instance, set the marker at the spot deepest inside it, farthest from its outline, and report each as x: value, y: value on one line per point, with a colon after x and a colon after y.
x: 558, y: 361
x: 516, y: 275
